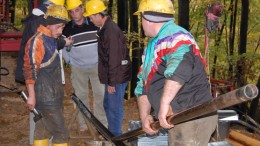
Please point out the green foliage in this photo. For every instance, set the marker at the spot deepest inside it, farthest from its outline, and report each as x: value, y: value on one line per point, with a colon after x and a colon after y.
x: 20, y: 4
x: 20, y: 13
x: 219, y: 45
x: 221, y: 51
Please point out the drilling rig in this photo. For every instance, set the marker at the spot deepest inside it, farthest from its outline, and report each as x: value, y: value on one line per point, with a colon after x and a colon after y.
x: 10, y: 36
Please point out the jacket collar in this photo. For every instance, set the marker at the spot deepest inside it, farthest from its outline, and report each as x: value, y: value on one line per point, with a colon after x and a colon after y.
x: 44, y: 30
x: 106, y: 22
x: 85, y: 21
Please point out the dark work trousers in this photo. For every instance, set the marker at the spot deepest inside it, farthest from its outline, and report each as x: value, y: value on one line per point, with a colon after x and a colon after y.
x: 52, y: 125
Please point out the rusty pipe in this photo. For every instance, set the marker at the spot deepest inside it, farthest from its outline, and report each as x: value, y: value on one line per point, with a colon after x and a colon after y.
x: 234, y: 97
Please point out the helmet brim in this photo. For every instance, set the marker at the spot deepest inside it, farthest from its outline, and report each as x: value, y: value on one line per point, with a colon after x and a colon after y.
x: 137, y: 13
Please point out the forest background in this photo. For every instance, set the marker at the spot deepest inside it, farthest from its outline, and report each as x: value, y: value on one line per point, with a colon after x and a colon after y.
x: 233, y: 54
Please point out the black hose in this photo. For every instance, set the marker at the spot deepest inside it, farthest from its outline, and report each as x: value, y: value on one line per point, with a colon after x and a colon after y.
x: 247, y: 117
x: 5, y: 71
x: 247, y: 125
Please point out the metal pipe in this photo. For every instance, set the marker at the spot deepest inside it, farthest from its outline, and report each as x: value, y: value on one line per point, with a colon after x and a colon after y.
x: 234, y: 97
x: 37, y: 115
x: 98, y: 125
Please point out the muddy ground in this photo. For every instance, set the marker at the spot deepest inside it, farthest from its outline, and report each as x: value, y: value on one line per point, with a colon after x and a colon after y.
x: 14, y: 116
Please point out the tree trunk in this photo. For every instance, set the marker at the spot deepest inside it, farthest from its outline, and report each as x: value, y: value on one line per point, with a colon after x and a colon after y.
x: 241, y: 66
x: 136, y: 52
x: 122, y: 13
x: 12, y: 10
x: 133, y: 18
x: 254, y: 103
x: 109, y: 8
x: 232, y: 34
x: 183, y: 16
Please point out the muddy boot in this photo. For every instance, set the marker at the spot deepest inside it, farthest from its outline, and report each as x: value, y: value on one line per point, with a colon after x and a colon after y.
x: 43, y: 142
x: 60, y: 144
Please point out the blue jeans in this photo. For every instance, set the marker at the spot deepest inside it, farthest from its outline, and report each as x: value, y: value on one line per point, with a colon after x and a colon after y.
x: 114, y: 108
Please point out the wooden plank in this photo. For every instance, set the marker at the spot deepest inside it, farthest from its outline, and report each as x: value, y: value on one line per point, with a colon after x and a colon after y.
x: 244, y: 139
x: 233, y: 142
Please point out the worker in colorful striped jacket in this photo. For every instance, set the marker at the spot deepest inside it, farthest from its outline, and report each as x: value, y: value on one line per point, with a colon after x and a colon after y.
x: 172, y: 77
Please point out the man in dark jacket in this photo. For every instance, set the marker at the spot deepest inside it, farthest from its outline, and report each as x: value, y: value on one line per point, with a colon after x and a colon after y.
x: 114, y: 66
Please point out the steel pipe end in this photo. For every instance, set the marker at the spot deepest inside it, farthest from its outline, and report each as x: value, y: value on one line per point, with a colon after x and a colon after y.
x: 251, y: 91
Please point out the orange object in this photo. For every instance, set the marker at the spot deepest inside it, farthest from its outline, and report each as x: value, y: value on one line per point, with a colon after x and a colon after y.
x: 243, y: 139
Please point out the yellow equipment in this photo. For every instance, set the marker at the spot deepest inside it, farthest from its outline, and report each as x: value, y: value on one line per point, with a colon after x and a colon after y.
x: 160, y: 6
x: 58, y: 11
x: 71, y: 4
x: 94, y: 7
x: 58, y: 2
x: 62, y: 144
x: 44, y: 142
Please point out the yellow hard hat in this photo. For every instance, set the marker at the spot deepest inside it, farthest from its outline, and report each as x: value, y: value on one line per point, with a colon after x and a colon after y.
x: 94, y: 7
x: 71, y: 4
x: 58, y: 2
x: 57, y: 11
x: 160, y: 6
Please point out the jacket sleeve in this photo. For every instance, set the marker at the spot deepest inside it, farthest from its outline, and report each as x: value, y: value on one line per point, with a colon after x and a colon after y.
x: 114, y: 44
x: 34, y: 53
x: 180, y: 64
x: 61, y: 43
x: 140, y: 89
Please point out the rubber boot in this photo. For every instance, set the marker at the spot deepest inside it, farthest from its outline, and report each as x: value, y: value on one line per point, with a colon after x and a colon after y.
x: 60, y: 144
x: 43, y: 142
